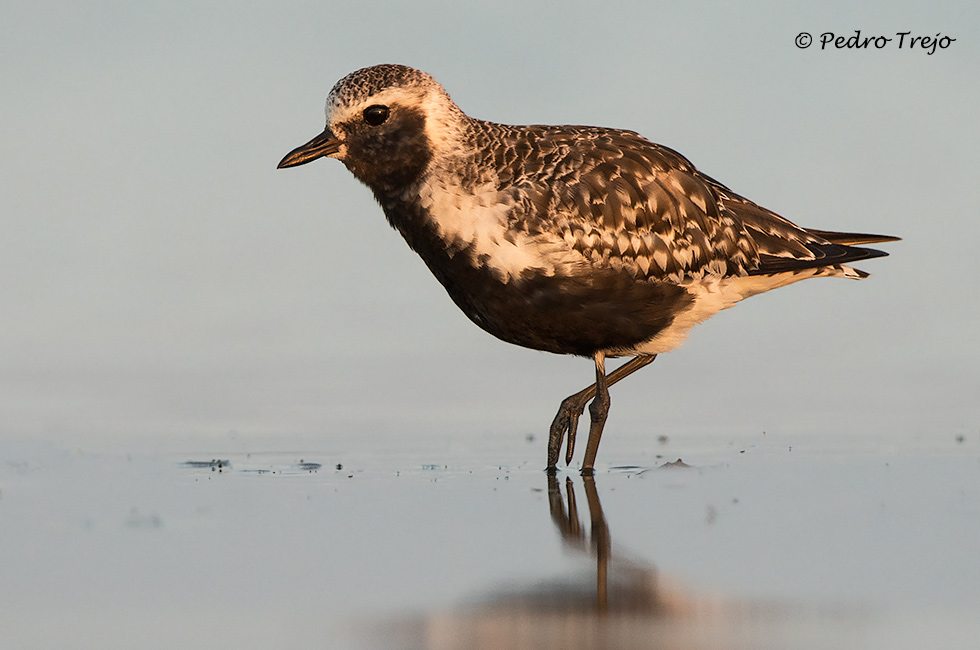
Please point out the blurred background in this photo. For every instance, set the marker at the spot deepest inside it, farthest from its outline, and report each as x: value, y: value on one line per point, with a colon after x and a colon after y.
x: 158, y: 275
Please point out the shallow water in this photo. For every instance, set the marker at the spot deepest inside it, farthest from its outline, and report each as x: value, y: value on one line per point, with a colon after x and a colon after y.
x: 370, y: 541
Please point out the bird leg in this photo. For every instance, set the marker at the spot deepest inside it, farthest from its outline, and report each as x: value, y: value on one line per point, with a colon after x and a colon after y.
x: 567, y: 420
x: 573, y: 406
x: 598, y: 411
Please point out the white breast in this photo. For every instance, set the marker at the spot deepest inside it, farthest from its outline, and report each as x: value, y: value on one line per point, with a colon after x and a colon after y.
x: 481, y: 219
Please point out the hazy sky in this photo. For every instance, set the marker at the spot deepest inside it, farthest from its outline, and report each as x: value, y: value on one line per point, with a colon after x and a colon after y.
x: 159, y: 275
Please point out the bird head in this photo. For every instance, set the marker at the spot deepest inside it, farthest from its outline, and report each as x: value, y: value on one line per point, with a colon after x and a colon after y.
x: 384, y: 123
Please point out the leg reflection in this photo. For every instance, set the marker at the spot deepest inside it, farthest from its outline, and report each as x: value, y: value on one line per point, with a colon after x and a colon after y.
x: 597, y: 544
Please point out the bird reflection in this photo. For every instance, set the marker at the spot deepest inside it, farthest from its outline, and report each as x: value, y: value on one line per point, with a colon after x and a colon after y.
x: 574, y: 537
x: 624, y: 606
x: 627, y: 604
x: 636, y: 590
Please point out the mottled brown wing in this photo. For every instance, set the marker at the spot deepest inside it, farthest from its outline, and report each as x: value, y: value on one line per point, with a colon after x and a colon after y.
x: 783, y: 246
x: 621, y: 200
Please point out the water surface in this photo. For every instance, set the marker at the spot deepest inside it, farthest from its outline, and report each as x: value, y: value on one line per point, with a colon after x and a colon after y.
x: 374, y: 541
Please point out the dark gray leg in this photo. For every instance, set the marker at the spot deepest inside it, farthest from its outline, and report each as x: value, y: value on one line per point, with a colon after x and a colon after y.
x: 573, y: 406
x: 598, y: 412
x: 567, y: 420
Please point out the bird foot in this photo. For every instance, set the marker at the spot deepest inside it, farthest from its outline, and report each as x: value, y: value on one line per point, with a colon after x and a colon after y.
x: 566, y: 421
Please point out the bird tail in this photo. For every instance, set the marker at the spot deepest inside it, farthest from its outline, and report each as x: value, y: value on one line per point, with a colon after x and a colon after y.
x: 851, y: 238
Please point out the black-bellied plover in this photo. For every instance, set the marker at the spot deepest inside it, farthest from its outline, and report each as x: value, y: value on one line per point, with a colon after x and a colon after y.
x: 569, y: 239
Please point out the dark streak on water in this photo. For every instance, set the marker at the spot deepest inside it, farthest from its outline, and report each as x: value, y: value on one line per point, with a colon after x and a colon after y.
x: 214, y: 464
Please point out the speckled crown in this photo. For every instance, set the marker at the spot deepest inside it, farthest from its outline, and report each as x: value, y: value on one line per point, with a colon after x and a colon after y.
x: 374, y: 79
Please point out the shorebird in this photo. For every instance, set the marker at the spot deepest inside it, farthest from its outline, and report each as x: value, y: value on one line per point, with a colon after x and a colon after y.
x: 575, y: 240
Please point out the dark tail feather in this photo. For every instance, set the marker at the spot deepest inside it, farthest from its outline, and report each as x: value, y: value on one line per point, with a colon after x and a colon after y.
x: 824, y: 255
x: 851, y: 238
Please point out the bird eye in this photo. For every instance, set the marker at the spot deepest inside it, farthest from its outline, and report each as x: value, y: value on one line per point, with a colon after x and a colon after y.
x: 376, y: 115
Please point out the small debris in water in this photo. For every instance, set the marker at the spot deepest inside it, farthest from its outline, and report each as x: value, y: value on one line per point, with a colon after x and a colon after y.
x: 339, y: 466
x: 662, y: 440
x: 711, y: 515
x: 677, y: 464
x: 214, y: 464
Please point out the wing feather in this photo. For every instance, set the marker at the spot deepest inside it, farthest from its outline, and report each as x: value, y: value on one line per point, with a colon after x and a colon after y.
x: 619, y: 199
